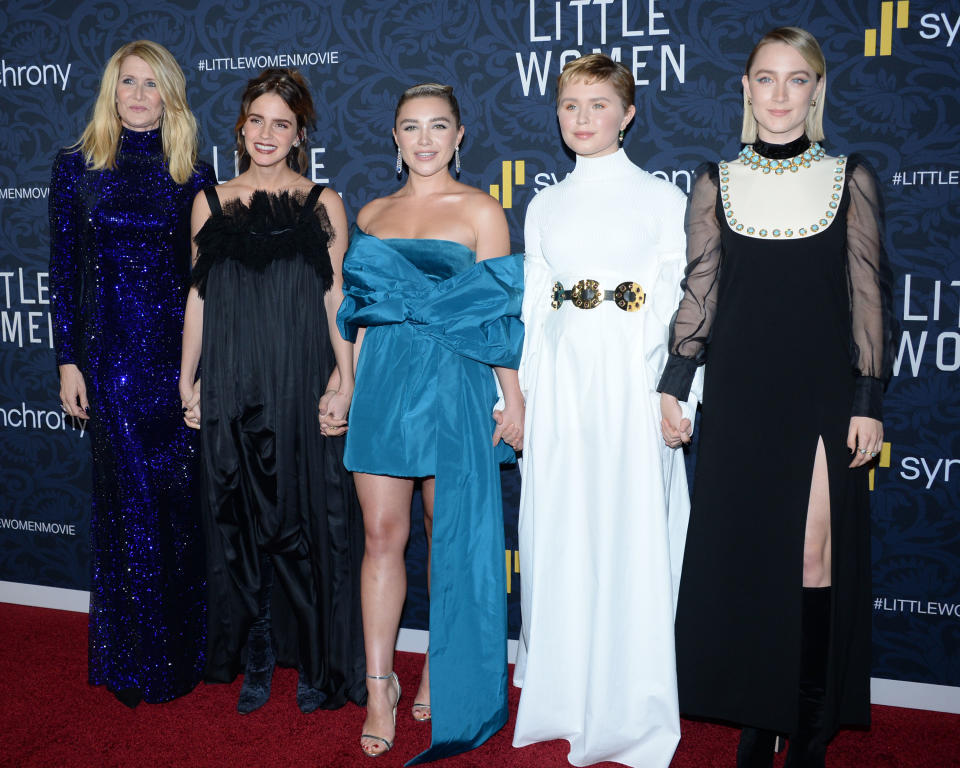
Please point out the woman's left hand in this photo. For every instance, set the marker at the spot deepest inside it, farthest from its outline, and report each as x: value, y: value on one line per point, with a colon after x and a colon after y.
x: 510, y: 425
x: 864, y: 439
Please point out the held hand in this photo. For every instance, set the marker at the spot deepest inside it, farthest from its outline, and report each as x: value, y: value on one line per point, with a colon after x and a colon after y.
x: 509, y: 423
x: 332, y: 413
x: 190, y: 403
x: 864, y: 439
x: 73, y: 392
x: 676, y: 430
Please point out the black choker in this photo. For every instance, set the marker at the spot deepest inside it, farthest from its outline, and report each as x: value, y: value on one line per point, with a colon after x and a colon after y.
x: 781, y: 151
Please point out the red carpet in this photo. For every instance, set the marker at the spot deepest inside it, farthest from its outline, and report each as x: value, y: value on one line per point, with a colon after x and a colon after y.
x: 50, y: 717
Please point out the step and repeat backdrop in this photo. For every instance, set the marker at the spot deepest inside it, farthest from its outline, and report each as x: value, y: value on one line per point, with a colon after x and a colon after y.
x: 893, y: 93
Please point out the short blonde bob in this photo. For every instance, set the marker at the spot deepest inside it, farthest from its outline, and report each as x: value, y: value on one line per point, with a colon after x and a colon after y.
x: 599, y: 68
x: 808, y: 47
x: 178, y: 127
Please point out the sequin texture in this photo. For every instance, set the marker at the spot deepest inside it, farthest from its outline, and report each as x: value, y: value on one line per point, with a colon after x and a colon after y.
x: 119, y: 267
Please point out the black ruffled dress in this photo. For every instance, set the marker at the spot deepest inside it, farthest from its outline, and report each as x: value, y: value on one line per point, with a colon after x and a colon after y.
x: 272, y: 483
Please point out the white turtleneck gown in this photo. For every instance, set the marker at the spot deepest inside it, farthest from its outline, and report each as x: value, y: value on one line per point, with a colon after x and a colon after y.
x: 604, y: 504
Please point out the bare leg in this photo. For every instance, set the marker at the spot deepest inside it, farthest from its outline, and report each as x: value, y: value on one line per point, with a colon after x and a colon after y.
x: 756, y: 745
x: 808, y: 745
x: 385, y: 502
x: 816, y: 544
x: 421, y: 707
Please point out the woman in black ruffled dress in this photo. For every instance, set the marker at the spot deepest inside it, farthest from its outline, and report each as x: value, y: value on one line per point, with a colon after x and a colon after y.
x: 285, y: 535
x: 787, y: 298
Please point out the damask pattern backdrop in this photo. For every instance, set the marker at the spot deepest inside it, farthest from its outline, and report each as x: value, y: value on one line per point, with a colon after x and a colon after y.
x: 893, y: 93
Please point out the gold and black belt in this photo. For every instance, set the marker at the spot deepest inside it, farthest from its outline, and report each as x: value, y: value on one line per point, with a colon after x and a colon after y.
x: 587, y: 294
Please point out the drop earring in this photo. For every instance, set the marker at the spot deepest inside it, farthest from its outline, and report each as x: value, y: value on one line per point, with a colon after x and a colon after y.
x: 399, y: 162
x: 456, y: 159
x: 620, y: 137
x: 813, y: 102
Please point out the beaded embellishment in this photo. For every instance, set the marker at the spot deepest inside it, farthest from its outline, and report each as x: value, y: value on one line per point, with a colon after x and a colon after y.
x: 757, y: 162
x: 782, y: 232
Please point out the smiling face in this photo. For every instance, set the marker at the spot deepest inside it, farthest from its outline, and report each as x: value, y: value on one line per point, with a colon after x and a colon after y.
x: 591, y: 117
x: 427, y: 133
x: 269, y: 130
x: 781, y: 85
x: 139, y: 103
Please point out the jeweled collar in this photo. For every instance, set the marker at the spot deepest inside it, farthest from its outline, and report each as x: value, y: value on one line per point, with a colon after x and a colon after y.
x: 781, y: 151
x: 140, y: 142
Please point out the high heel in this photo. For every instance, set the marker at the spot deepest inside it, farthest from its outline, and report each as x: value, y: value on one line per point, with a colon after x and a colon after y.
x: 421, y: 712
x: 387, y: 745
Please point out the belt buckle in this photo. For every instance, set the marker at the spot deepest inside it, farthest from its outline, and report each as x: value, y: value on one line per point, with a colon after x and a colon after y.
x: 557, y: 296
x: 629, y: 296
x: 587, y: 294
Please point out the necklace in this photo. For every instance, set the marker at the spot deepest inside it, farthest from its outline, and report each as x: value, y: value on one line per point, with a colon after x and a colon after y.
x: 750, y: 157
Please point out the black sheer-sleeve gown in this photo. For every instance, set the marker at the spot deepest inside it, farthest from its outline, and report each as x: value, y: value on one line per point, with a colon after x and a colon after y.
x: 272, y: 483
x: 787, y: 300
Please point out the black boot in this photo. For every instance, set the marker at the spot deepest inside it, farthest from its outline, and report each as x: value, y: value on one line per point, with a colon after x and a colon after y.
x: 308, y: 697
x: 260, y: 657
x: 808, y: 746
x: 755, y: 749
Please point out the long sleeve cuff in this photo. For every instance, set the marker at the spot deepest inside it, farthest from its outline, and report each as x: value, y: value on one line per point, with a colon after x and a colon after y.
x: 868, y: 398
x: 677, y: 376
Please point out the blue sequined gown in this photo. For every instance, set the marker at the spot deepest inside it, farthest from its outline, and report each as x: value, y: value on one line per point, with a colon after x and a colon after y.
x: 119, y: 267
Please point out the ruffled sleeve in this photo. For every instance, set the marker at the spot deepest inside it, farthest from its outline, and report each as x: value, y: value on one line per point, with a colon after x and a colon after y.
x: 694, y: 318
x: 869, y: 283
x: 66, y: 260
x: 665, y: 293
x: 536, y: 295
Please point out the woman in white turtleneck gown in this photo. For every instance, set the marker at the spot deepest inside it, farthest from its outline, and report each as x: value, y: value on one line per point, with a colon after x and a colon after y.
x: 604, y: 505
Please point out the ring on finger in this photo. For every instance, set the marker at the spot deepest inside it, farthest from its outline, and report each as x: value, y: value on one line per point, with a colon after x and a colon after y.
x: 863, y: 450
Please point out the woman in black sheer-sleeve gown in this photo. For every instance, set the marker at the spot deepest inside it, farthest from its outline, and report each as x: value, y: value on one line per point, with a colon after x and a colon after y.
x: 787, y: 299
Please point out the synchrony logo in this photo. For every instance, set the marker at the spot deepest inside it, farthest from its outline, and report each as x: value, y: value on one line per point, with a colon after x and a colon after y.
x: 21, y: 75
x: 514, y: 174
x: 883, y: 462
x: 30, y: 418
x: 886, y: 28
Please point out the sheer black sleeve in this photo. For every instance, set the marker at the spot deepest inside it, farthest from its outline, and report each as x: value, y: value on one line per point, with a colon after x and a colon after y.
x: 869, y: 284
x: 691, y: 324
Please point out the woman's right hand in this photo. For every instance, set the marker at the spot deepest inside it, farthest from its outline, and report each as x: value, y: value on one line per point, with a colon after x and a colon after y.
x: 73, y: 392
x: 190, y: 401
x: 676, y: 430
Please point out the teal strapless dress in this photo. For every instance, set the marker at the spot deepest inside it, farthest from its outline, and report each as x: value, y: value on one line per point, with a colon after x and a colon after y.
x: 436, y: 321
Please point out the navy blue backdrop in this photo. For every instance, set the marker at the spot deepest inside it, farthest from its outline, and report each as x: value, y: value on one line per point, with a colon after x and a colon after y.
x: 893, y: 93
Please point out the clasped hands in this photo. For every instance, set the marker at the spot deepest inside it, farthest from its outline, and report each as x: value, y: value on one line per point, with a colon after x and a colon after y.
x: 332, y: 412
x: 509, y: 423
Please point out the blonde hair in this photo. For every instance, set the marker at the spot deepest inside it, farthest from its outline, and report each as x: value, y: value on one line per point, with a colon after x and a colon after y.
x: 599, y: 68
x: 178, y: 127
x: 807, y: 46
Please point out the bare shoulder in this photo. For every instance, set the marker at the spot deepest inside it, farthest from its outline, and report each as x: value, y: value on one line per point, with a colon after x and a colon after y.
x: 482, y: 205
x: 372, y: 211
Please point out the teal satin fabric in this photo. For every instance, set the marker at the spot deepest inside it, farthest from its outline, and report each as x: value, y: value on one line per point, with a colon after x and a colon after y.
x: 436, y: 321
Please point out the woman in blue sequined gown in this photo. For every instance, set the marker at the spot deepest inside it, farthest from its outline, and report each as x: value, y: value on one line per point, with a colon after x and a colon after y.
x: 435, y: 311
x: 119, y: 264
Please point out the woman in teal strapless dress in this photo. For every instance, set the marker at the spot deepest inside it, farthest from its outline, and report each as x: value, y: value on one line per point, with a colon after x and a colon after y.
x: 432, y: 312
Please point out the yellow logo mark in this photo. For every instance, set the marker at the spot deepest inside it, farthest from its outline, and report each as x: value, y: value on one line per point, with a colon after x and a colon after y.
x: 886, y: 28
x: 883, y: 462
x: 514, y: 174
x: 513, y: 562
